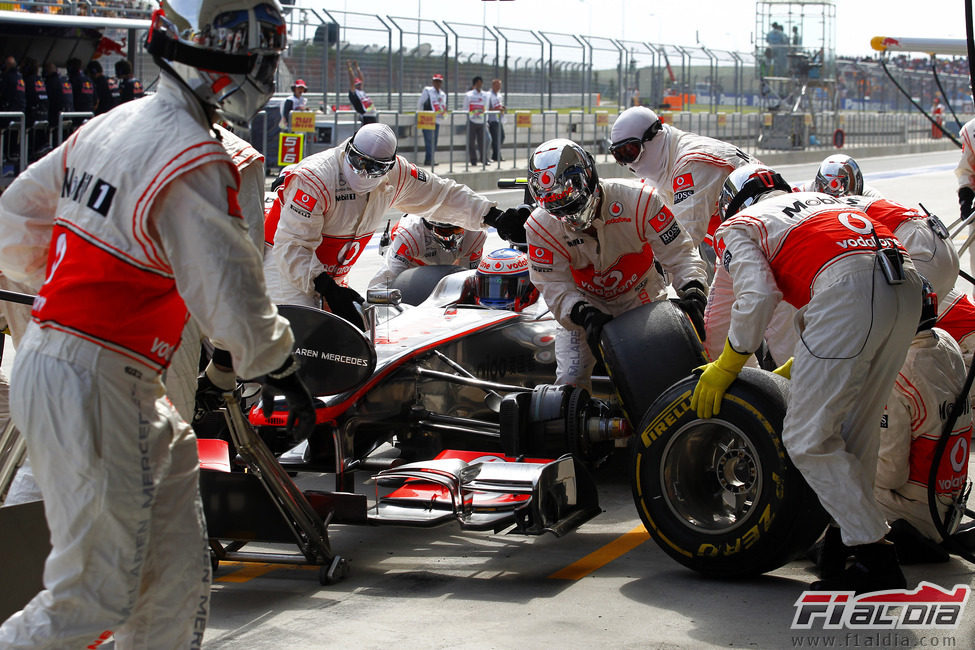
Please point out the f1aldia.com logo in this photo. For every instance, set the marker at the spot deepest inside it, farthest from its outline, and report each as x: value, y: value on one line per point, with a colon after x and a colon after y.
x: 927, y: 606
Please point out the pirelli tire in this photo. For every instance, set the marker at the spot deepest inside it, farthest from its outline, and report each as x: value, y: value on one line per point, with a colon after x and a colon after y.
x: 646, y: 350
x: 721, y: 496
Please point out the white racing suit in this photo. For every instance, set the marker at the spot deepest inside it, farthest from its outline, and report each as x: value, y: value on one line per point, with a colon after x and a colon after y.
x: 319, y: 224
x: 181, y: 376
x: 136, y: 240
x: 934, y: 257
x: 924, y: 392
x: 16, y: 316
x: 965, y: 173
x: 690, y: 171
x: 816, y: 253
x: 613, y: 270
x: 414, y: 245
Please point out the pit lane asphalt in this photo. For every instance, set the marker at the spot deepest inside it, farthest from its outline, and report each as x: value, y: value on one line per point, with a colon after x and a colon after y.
x: 443, y: 588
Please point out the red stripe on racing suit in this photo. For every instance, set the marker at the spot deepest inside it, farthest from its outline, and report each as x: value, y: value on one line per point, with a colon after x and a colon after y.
x: 110, y: 299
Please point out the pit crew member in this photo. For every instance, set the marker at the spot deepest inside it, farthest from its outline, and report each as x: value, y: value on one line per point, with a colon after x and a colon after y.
x: 965, y: 173
x: 331, y: 203
x: 858, y: 297
x: 926, y: 388
x: 689, y: 169
x: 838, y: 175
x: 593, y: 246
x: 420, y: 242
x: 135, y: 240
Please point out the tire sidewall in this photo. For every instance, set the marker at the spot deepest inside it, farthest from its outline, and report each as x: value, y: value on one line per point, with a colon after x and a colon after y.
x: 756, y: 543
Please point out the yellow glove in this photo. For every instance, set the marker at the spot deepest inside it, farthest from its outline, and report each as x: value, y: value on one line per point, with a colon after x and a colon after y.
x: 715, y: 379
x: 785, y: 370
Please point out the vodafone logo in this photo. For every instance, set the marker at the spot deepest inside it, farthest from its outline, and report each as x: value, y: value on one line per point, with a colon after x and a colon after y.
x: 348, y: 252
x: 608, y: 281
x: 959, y: 455
x: 546, y: 180
x: 305, y: 200
x: 683, y: 181
x: 616, y: 208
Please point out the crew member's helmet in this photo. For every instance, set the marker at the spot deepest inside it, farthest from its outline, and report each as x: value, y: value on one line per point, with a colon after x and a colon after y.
x: 225, y: 51
x: 839, y: 175
x: 562, y: 179
x: 929, y: 306
x: 446, y: 234
x: 746, y: 185
x: 501, y: 280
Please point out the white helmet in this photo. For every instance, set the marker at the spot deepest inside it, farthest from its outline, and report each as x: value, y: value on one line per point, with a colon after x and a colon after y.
x: 448, y: 235
x: 225, y: 51
x: 746, y: 185
x: 839, y: 175
x: 562, y: 178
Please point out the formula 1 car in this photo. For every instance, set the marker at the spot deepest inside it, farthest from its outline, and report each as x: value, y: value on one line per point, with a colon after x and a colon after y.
x: 450, y: 407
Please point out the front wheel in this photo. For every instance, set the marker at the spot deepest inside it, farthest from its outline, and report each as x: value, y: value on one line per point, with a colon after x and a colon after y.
x: 721, y: 496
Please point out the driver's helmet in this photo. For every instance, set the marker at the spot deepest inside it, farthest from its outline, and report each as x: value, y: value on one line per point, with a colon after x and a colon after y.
x: 225, y: 51
x: 501, y: 281
x: 746, y: 185
x: 562, y: 178
x: 446, y: 234
x: 839, y: 175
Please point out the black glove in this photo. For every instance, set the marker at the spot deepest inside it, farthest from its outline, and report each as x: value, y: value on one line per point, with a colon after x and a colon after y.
x: 301, y: 408
x: 592, y: 320
x: 341, y: 300
x: 693, y: 299
x: 216, y: 379
x: 966, y: 201
x: 510, y: 223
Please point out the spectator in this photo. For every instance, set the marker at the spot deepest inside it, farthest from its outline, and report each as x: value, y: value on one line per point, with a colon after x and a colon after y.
x: 495, y: 124
x: 474, y: 103
x: 779, y: 44
x: 297, y: 102
x: 433, y: 98
x: 360, y: 100
x: 104, y: 95
x: 82, y: 89
x: 129, y: 87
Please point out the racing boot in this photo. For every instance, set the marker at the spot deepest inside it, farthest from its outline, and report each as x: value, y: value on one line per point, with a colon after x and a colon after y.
x: 833, y: 554
x: 876, y: 569
x: 912, y: 546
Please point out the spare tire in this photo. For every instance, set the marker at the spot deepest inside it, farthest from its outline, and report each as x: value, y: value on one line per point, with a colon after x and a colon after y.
x: 648, y: 349
x: 720, y: 495
x: 417, y: 283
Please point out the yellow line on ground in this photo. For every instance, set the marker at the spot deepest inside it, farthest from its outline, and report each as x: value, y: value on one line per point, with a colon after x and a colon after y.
x: 249, y: 571
x: 603, y: 556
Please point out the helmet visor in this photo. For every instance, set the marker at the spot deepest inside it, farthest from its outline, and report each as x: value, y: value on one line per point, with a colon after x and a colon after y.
x: 627, y: 151
x: 365, y: 165
x: 447, y: 235
x: 502, y: 291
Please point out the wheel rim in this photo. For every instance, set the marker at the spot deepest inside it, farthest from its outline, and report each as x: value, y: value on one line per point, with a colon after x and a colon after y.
x: 711, y: 476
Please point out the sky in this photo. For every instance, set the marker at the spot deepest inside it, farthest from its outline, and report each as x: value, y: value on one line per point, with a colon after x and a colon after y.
x: 688, y: 22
